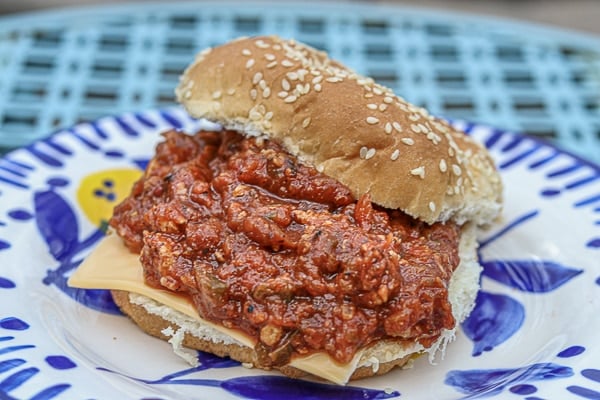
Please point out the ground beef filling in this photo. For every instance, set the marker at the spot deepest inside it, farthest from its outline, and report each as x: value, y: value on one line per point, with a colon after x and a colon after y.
x: 269, y: 246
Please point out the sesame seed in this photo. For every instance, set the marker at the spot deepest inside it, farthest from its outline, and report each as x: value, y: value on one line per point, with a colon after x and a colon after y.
x: 253, y: 94
x: 318, y: 87
x: 334, y: 79
x: 395, y: 155
x: 257, y: 78
x: 420, y: 171
x: 414, y: 117
x: 415, y: 128
x: 456, y: 170
x: 188, y: 94
x: 372, y: 106
x: 270, y: 57
x: 451, y: 152
x: 266, y: 92
x: 260, y: 43
x: 290, y: 99
x: 317, y: 79
x: 231, y: 91
x: 246, y: 52
x: 363, y: 152
x: 432, y: 206
x: 287, y: 63
x: 216, y: 94
x: 292, y: 75
x: 388, y: 100
x: 255, y: 115
x: 272, y: 64
x: 377, y: 91
x: 306, y: 122
x: 249, y: 63
x: 285, y: 85
x: 301, y: 73
x: 397, y: 126
x: 443, y: 166
x: 382, y: 107
x: 262, y: 84
x: 370, y: 153
x: 282, y: 94
x: 372, y: 120
x: 269, y: 115
x: 388, y: 128
x: 368, y: 95
x: 408, y: 141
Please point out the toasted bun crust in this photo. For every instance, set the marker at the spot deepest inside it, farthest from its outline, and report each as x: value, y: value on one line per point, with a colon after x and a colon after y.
x: 344, y: 125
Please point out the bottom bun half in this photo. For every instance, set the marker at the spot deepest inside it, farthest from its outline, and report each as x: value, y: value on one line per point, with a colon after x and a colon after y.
x: 185, y: 332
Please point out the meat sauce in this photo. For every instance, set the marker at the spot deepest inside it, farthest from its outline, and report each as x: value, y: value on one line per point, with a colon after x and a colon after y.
x: 267, y: 245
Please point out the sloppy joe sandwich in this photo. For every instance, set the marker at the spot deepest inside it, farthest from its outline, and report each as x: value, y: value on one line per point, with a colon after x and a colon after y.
x: 328, y: 228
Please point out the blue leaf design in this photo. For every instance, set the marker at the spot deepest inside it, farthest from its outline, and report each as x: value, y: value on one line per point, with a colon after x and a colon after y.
x: 531, y: 276
x: 494, y: 320
x: 7, y: 365
x: 277, y: 387
x: 57, y: 224
x: 489, y: 382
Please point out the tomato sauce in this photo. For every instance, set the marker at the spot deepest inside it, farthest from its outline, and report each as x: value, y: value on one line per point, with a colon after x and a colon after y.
x: 267, y: 245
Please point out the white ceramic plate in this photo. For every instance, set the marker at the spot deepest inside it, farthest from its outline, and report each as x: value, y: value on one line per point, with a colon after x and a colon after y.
x: 533, y: 334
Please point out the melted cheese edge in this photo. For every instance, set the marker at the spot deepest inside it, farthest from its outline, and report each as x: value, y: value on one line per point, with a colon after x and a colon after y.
x: 112, y: 266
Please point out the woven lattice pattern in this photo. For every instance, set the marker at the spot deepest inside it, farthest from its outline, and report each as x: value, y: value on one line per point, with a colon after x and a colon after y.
x: 59, y: 68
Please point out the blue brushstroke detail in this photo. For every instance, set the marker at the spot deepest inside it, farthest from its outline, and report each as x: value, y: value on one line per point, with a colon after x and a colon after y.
x: 43, y: 157
x: 15, y: 163
x: 543, y: 161
x: 508, y: 227
x: 593, y: 244
x: 20, y: 215
x: 11, y: 171
x: 592, y: 374
x: 10, y: 349
x: 60, y: 362
x: 6, y: 338
x: 531, y: 276
x: 491, y: 382
x: 523, y: 389
x: 7, y: 365
x: 87, y: 142
x: 125, y: 127
x: 261, y: 387
x: 582, y: 182
x: 13, y: 183
x: 515, y: 141
x: 98, y: 130
x: 57, y: 182
x: 494, y: 137
x: 564, y: 171
x: 141, y: 163
x: 58, y: 147
x: 571, y: 352
x: 4, y: 245
x: 13, y: 324
x: 51, y: 392
x: 6, y: 283
x: 584, y: 392
x: 144, y: 120
x: 519, y: 158
x: 114, y: 153
x: 18, y: 378
x: 174, y: 122
x: 550, y: 192
x: 494, y: 320
x: 588, y: 201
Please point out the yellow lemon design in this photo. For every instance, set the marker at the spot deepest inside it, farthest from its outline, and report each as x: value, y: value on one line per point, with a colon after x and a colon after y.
x: 99, y: 192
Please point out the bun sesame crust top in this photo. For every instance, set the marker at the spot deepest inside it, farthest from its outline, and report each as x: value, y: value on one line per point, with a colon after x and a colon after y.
x: 344, y: 125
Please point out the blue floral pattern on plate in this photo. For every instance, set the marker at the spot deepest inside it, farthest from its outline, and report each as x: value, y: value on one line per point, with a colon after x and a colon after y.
x: 532, y: 334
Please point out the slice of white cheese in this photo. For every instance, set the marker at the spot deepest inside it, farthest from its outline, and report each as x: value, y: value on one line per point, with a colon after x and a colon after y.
x: 112, y: 266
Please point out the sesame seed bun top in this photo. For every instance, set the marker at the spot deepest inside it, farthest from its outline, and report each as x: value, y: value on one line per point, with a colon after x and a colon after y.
x: 346, y: 126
